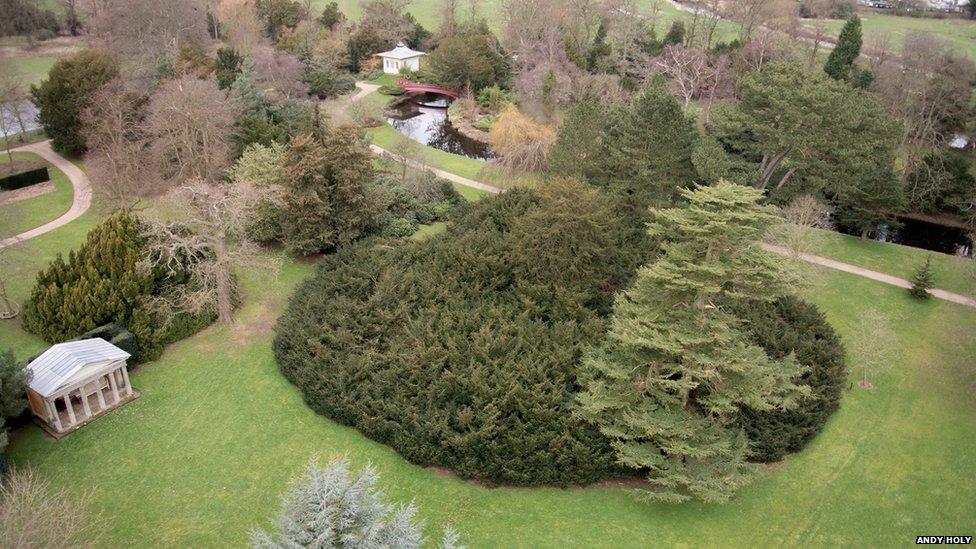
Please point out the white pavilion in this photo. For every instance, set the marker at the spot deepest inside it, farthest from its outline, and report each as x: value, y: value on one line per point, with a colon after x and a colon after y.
x: 401, y: 57
x: 73, y: 383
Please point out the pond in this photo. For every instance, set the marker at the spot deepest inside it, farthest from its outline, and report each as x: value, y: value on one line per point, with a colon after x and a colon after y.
x: 423, y: 118
x: 28, y: 113
x: 923, y: 234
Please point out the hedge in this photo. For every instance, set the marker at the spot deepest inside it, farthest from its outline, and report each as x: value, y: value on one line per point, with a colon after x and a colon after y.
x: 461, y: 351
x: 791, y: 325
x: 23, y: 179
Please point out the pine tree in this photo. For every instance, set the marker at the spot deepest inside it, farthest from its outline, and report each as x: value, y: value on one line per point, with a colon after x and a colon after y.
x: 647, y: 149
x: 329, y: 507
x: 325, y: 200
x: 922, y: 280
x: 840, y: 63
x: 576, y: 150
x: 677, y: 367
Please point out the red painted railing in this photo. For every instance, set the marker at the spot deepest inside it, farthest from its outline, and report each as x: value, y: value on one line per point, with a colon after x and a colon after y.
x: 426, y: 88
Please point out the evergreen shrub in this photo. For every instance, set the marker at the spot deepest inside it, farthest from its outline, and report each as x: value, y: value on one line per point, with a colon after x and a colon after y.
x: 791, y: 325
x: 462, y: 351
x: 102, y: 283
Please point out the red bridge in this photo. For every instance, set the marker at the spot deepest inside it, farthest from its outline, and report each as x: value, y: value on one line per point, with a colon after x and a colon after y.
x: 415, y: 87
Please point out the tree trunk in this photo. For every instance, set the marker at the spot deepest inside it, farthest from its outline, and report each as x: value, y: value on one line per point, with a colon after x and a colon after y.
x: 225, y: 287
x: 8, y: 310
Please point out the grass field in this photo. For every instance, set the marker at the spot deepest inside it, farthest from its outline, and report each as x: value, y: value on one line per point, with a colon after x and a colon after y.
x: 428, y: 13
x: 22, y: 215
x: 960, y: 34
x: 952, y: 273
x: 204, y: 454
x: 31, y: 70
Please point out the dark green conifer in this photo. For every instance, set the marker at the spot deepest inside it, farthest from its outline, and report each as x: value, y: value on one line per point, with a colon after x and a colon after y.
x: 840, y: 63
x: 923, y: 280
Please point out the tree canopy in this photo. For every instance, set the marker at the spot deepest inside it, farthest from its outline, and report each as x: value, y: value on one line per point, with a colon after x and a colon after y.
x: 676, y: 368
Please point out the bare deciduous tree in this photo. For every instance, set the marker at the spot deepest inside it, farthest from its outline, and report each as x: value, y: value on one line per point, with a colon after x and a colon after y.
x: 147, y: 31
x: 190, y: 122
x: 386, y: 17
x: 801, y: 215
x: 209, y: 244
x: 240, y: 26
x: 688, y: 71
x: 115, y: 132
x: 33, y: 514
x: 929, y: 91
x: 278, y: 71
x: 12, y: 105
x: 875, y: 346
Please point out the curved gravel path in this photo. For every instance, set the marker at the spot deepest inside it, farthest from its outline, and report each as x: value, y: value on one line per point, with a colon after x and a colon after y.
x: 868, y: 273
x: 81, y: 187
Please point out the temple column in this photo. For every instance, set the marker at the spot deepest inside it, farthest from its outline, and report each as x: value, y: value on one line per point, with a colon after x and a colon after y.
x: 125, y: 378
x: 54, y: 417
x: 85, y: 406
x: 113, y: 385
x: 70, y: 409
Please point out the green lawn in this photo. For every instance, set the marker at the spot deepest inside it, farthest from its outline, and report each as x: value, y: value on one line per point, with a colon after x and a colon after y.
x: 204, y: 454
x: 31, y: 70
x: 952, y: 273
x: 26, y: 214
x: 428, y: 14
x: 958, y: 33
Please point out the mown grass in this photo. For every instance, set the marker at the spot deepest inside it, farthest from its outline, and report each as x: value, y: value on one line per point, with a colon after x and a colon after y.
x: 30, y: 69
x: 204, y: 454
x: 958, y: 33
x: 952, y: 273
x: 17, y: 217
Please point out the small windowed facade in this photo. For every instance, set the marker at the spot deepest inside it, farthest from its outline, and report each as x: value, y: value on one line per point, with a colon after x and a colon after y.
x: 399, y: 58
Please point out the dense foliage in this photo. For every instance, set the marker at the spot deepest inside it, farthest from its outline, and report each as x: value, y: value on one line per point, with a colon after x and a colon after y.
x: 102, y: 283
x: 331, y: 507
x: 461, y: 351
x: 67, y: 91
x: 469, y: 60
x: 840, y: 63
x: 809, y: 134
x: 677, y: 367
x: 324, y: 202
x: 791, y: 325
x: 13, y: 391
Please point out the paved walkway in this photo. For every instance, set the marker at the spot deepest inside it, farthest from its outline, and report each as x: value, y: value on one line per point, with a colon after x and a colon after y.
x: 867, y: 273
x: 366, y: 89
x: 80, y: 201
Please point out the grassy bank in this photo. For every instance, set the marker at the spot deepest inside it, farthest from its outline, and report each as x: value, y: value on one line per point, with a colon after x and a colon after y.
x: 17, y: 217
x: 952, y: 273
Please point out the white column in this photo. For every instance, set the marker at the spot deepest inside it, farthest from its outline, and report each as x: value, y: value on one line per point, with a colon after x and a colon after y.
x: 84, y: 403
x: 70, y: 409
x: 125, y: 378
x: 112, y: 384
x: 52, y: 409
x: 98, y: 391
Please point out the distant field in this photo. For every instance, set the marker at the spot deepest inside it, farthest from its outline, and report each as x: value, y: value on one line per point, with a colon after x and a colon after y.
x: 958, y: 33
x: 428, y: 13
x: 30, y: 69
